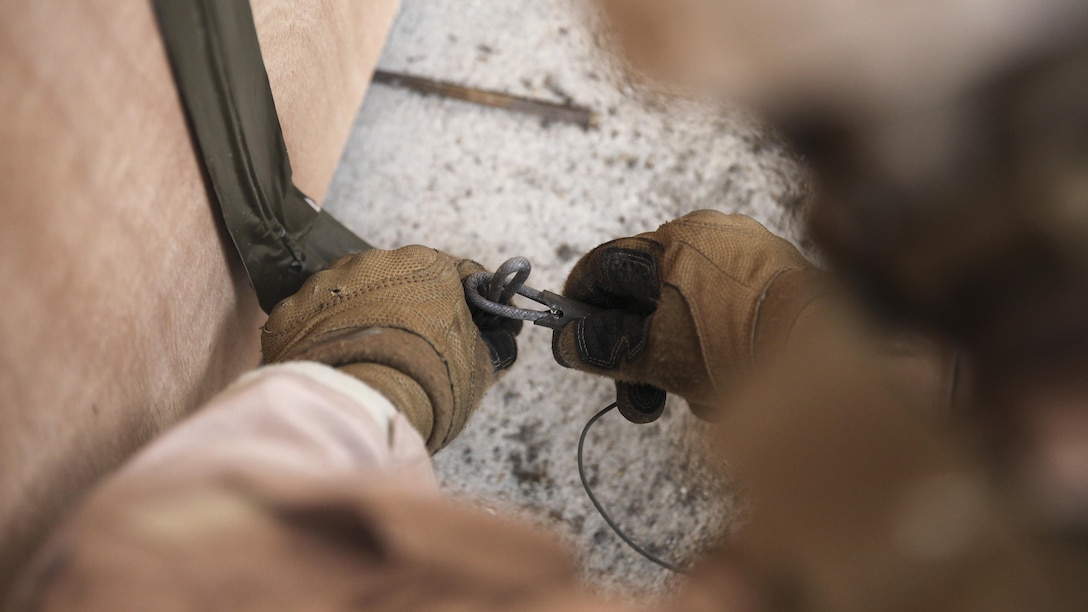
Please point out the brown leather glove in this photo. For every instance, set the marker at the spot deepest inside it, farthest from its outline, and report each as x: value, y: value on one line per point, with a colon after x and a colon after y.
x: 398, y: 321
x: 694, y: 304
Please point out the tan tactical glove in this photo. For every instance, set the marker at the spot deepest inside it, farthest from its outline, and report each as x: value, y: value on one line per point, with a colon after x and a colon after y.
x: 695, y: 305
x: 398, y: 321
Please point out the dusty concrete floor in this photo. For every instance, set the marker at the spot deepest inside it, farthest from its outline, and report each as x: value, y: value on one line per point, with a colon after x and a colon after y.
x: 489, y: 184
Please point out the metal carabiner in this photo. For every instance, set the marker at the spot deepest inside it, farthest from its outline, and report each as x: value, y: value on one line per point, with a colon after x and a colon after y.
x: 492, y: 292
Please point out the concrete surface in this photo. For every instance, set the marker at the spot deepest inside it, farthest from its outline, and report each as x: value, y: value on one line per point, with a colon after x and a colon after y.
x: 490, y: 184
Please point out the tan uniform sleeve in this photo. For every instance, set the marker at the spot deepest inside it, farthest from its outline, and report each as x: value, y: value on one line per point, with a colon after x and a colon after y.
x: 297, y: 488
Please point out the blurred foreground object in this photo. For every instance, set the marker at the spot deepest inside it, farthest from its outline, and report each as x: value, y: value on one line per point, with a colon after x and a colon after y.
x: 854, y: 56
x: 864, y: 501
x: 950, y: 144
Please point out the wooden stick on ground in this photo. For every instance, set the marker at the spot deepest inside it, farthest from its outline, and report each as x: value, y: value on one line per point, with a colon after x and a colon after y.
x: 549, y: 111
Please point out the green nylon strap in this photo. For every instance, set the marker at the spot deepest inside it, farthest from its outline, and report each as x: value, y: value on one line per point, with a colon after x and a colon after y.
x: 216, y: 59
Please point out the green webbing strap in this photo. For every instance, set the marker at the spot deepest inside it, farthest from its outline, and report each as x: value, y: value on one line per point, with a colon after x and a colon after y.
x: 220, y: 75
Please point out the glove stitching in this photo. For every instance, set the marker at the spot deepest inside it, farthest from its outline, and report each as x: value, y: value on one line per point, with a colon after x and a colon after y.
x: 340, y: 298
x: 621, y: 345
x: 720, y: 228
x: 756, y: 311
x: 336, y: 363
x: 377, y: 325
x: 636, y: 350
x: 683, y: 243
x: 473, y: 377
x: 456, y: 400
x: 420, y: 276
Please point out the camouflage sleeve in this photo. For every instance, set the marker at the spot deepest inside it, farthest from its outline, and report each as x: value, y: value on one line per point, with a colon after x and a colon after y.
x: 298, y: 487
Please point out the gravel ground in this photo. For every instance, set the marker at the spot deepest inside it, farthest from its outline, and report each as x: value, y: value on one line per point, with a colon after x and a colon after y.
x: 490, y: 184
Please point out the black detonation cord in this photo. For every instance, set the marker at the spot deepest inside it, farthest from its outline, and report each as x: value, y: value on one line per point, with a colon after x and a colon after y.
x: 596, y: 504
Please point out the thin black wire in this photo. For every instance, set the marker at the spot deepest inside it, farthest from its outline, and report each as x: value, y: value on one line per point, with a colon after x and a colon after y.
x: 600, y: 509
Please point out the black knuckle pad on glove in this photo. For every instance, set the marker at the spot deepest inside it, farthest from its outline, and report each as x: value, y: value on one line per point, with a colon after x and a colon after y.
x: 632, y: 277
x: 618, y: 274
x: 609, y: 339
x: 621, y: 276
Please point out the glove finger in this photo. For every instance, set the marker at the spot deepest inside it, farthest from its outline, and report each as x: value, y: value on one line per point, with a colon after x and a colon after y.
x: 502, y: 347
x: 498, y: 333
x: 602, y: 343
x: 466, y: 267
x: 621, y: 274
x: 639, y: 403
x: 705, y: 412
